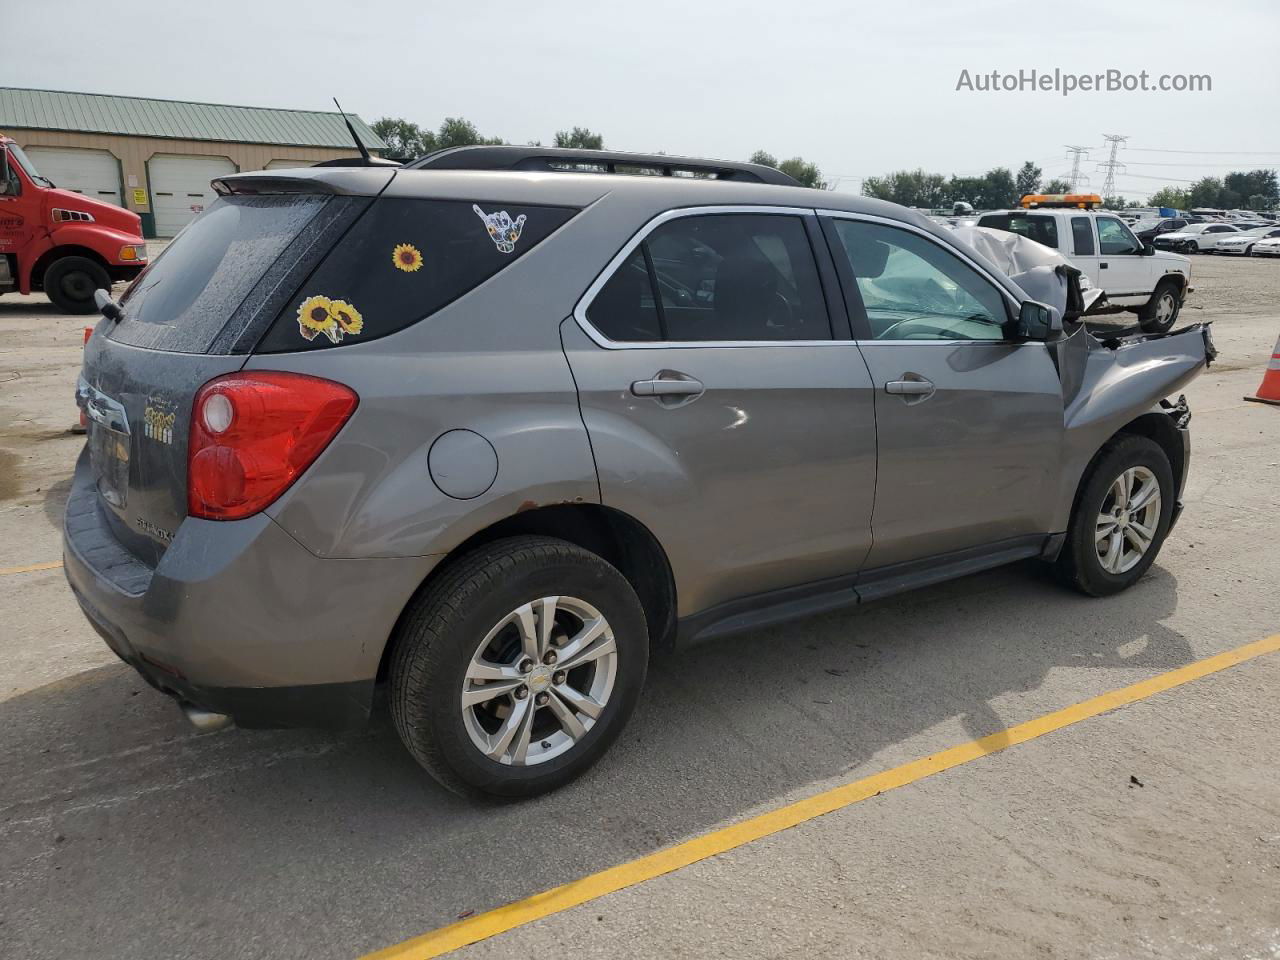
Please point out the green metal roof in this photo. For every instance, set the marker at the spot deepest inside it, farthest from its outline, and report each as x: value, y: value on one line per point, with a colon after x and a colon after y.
x: 177, y: 119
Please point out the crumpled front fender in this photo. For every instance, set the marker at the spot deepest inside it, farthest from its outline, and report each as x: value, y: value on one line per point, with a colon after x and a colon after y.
x: 1107, y: 386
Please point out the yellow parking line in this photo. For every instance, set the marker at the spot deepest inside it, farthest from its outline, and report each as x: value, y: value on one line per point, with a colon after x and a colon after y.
x: 558, y: 899
x: 31, y: 568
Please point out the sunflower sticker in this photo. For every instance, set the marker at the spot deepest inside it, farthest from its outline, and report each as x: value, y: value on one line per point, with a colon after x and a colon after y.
x: 333, y: 318
x: 406, y: 257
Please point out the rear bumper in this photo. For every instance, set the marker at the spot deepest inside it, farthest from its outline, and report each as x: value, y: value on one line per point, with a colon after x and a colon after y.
x: 238, y: 617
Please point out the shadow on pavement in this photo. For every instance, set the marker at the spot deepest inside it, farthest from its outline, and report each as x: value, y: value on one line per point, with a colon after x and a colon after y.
x: 124, y: 834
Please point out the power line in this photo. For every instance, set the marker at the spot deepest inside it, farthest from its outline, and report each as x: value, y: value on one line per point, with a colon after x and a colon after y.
x: 1111, y: 165
x: 1223, y: 153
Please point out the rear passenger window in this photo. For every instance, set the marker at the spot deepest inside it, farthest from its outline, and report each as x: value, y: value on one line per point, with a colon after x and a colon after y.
x: 625, y: 309
x: 402, y: 261
x: 1082, y: 236
x: 1035, y: 227
x: 718, y: 277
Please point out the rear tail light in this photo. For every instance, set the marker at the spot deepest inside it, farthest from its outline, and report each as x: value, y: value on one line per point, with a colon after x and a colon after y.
x: 253, y: 434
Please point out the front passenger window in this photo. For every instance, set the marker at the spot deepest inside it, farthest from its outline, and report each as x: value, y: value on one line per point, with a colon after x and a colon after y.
x: 1114, y: 238
x: 913, y: 289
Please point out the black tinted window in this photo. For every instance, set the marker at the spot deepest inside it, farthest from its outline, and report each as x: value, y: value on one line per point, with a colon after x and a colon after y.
x: 184, y: 298
x: 1035, y: 227
x: 1082, y: 236
x: 718, y: 277
x: 402, y: 261
x: 624, y: 309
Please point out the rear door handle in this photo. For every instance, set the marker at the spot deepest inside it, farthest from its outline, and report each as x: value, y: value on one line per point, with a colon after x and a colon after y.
x: 670, y: 385
x: 1102, y: 266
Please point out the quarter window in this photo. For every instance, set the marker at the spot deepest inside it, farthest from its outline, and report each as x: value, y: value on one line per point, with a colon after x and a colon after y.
x: 716, y: 278
x: 1082, y: 236
x: 913, y: 289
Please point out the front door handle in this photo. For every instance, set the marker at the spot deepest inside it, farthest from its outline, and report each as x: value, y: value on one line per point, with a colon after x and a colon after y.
x: 668, y: 383
x: 913, y: 388
x: 1102, y: 266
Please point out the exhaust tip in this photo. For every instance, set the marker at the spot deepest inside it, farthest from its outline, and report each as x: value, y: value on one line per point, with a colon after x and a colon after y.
x: 205, y: 721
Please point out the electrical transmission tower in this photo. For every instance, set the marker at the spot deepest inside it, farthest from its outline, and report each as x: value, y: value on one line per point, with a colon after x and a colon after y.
x: 1111, y: 164
x: 1077, y: 154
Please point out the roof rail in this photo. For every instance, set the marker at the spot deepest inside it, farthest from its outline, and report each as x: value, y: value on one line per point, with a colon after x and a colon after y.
x: 560, y: 159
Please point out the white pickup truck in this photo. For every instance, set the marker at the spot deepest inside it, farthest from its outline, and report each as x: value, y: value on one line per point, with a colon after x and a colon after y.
x: 1136, y: 277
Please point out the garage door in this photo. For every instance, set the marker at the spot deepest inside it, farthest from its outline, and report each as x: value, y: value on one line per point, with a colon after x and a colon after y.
x: 180, y: 188
x: 288, y: 164
x: 95, y: 173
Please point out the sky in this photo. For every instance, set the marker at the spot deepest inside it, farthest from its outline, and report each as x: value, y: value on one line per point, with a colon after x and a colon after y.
x: 861, y: 89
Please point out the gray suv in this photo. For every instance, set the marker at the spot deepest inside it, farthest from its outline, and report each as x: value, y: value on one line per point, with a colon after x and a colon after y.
x: 492, y: 428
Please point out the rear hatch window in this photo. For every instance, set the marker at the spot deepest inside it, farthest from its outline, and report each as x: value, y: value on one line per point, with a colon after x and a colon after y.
x: 402, y: 261
x: 202, y: 294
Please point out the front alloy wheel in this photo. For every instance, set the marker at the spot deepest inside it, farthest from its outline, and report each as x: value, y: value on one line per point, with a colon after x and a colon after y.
x: 1127, y: 524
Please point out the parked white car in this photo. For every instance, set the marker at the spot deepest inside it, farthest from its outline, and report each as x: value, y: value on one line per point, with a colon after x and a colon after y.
x: 1195, y: 237
x: 1134, y: 276
x: 1242, y: 244
x: 1267, y: 248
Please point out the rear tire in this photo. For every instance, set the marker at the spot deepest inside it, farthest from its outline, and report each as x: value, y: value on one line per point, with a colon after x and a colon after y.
x: 1161, y: 311
x: 70, y: 283
x: 476, y: 618
x: 1101, y: 555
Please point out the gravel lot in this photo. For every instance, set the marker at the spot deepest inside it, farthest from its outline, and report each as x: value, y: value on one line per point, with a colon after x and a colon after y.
x: 1153, y: 831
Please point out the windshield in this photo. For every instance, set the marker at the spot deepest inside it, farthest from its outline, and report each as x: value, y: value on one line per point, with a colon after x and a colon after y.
x: 16, y: 155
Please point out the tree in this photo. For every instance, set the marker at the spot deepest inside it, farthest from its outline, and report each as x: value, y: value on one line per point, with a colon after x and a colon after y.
x: 998, y: 189
x: 911, y: 188
x: 1205, y: 192
x: 804, y: 171
x: 1170, y: 197
x: 1115, y: 203
x: 1057, y: 186
x: 403, y: 138
x: 580, y: 138
x: 1028, y: 179
x: 458, y: 132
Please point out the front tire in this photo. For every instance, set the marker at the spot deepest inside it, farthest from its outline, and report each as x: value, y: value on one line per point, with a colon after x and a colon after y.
x: 1161, y: 311
x: 518, y: 667
x: 70, y: 283
x: 1121, y: 517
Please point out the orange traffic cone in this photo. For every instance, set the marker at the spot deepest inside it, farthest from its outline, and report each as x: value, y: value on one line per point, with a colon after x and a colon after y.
x: 1269, y: 391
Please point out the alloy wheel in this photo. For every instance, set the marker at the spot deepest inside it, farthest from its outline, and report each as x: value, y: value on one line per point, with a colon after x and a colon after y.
x: 1127, y: 521
x: 539, y: 681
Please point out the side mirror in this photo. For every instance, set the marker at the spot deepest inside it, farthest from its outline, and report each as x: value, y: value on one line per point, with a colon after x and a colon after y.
x: 1148, y: 249
x: 1038, y: 321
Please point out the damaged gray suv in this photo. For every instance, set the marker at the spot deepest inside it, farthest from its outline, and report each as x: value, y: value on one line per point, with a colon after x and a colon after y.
x: 493, y: 428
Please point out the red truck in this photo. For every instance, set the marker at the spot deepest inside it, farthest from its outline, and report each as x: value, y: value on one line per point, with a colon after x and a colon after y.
x: 61, y: 242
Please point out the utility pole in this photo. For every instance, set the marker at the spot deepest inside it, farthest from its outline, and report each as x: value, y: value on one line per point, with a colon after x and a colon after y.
x: 1111, y: 165
x: 1076, y: 154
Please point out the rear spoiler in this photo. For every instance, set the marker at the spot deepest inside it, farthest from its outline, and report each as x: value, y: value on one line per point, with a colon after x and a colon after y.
x: 563, y: 160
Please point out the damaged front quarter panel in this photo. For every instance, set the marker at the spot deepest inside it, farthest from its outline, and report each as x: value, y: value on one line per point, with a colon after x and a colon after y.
x: 1122, y: 383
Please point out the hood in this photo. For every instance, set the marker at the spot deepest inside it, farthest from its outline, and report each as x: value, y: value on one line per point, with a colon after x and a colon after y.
x: 1165, y: 256
x: 1179, y: 235
x: 107, y: 214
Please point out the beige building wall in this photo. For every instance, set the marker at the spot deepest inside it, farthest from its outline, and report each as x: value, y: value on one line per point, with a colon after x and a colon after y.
x: 134, y: 152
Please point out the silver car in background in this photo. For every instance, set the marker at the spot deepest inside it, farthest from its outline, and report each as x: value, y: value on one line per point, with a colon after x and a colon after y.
x: 494, y: 428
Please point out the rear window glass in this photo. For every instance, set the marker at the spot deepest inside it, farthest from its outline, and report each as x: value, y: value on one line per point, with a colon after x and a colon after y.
x: 402, y: 261
x: 1082, y: 236
x: 1041, y: 229
x: 186, y: 296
